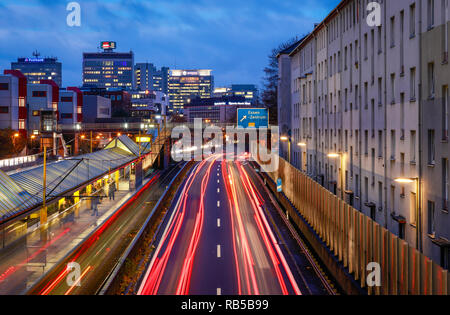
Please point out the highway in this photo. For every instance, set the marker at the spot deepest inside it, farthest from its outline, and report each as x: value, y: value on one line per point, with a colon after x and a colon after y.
x: 100, y: 253
x: 216, y: 239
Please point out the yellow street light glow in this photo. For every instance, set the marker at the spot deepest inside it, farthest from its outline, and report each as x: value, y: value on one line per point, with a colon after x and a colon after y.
x: 404, y: 180
x: 301, y: 144
x: 284, y: 138
x: 83, y: 136
x: 334, y: 155
x: 16, y: 135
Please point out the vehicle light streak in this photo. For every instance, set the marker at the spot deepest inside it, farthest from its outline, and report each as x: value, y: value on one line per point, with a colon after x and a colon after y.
x: 245, y: 248
x: 155, y: 272
x: 78, y: 280
x: 94, y: 237
x: 261, y: 220
x: 183, y: 284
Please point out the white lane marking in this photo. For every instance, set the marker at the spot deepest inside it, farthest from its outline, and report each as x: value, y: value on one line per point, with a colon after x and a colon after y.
x: 218, y: 203
x: 218, y: 190
x: 218, y: 222
x: 219, y: 291
x: 218, y: 251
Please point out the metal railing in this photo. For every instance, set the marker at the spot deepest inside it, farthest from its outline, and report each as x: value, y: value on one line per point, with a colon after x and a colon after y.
x: 356, y: 240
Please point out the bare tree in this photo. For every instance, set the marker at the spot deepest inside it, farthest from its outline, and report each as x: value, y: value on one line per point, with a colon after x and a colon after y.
x: 270, y: 80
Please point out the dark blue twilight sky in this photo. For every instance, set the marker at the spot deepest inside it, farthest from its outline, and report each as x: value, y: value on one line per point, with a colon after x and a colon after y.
x: 232, y: 37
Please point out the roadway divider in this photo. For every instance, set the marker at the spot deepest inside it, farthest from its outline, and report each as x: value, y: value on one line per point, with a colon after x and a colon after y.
x: 40, y: 286
x: 136, y: 250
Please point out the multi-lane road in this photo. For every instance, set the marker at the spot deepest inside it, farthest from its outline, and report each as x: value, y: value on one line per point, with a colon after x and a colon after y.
x: 218, y: 237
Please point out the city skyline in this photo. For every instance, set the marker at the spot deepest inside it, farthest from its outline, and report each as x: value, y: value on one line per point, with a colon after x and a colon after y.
x: 179, y: 38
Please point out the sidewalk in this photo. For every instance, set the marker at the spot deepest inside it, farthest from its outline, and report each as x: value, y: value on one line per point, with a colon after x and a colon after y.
x: 29, y: 258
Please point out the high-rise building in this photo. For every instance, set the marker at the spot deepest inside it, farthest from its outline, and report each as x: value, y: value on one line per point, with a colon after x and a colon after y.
x: 108, y: 69
x: 186, y: 85
x: 248, y: 91
x: 148, y: 77
x: 36, y: 69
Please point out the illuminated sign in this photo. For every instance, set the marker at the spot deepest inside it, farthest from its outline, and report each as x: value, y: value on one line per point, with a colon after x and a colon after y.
x: 34, y: 59
x: 253, y: 117
x: 108, y: 45
x: 233, y: 103
x: 143, y: 139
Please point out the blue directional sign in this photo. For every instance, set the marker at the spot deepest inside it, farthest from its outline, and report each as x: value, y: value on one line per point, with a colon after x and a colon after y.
x: 279, y: 185
x: 252, y: 118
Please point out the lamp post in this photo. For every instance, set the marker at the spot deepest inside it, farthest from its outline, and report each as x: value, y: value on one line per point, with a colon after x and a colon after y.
x: 418, y: 213
x: 288, y: 140
x: 302, y: 145
x: 341, y: 175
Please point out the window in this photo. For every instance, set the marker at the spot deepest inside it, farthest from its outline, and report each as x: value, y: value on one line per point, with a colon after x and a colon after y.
x: 68, y: 99
x: 393, y: 149
x: 393, y: 31
x: 4, y: 86
x: 431, y: 80
x: 444, y: 19
x: 380, y: 91
x: 445, y: 115
x: 380, y: 195
x: 393, y: 88
x: 413, y: 209
x: 445, y: 184
x: 412, y: 88
x: 366, y: 189
x: 431, y: 147
x: 4, y: 109
x: 380, y: 143
x: 412, y: 20
x: 430, y: 13
x: 36, y: 113
x: 431, y: 218
x: 412, y: 153
x: 366, y: 142
x: 66, y: 116
x: 39, y: 94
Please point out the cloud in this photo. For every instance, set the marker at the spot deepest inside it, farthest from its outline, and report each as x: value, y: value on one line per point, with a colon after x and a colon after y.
x: 231, y: 37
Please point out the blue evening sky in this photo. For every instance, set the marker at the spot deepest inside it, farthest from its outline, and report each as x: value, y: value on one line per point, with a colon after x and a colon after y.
x: 232, y: 37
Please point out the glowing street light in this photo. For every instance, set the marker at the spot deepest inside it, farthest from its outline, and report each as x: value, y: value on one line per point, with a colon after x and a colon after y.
x: 415, y: 180
x: 341, y: 175
x: 405, y: 180
x: 301, y: 144
x: 284, y: 138
x: 16, y: 135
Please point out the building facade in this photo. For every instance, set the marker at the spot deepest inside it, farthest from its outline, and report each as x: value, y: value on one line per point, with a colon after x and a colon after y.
x: 148, y: 77
x: 37, y: 69
x: 248, y: 91
x: 186, y: 85
x: 370, y: 115
x: 146, y: 104
x: 216, y: 109
x: 13, y: 97
x: 108, y: 69
x: 95, y: 107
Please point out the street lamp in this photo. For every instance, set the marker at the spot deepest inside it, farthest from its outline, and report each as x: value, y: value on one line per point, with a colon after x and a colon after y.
x: 288, y: 140
x: 416, y: 180
x: 341, y: 175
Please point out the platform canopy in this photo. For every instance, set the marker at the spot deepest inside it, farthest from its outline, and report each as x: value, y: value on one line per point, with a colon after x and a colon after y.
x: 23, y: 190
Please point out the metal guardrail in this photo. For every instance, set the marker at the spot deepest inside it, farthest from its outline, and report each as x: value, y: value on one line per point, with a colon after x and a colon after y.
x: 356, y: 240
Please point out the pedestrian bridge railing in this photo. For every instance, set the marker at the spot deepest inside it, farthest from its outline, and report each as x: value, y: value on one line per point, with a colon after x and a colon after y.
x: 357, y: 241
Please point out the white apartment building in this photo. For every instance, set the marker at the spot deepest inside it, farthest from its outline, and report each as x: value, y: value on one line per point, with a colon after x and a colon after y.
x: 370, y: 106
